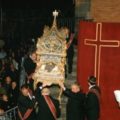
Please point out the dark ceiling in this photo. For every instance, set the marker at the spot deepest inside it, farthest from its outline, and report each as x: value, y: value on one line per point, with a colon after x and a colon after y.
x: 65, y: 7
x: 24, y: 19
x: 35, y: 3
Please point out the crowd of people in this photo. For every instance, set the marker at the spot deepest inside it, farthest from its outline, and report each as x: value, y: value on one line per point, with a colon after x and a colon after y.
x: 42, y: 106
x: 10, y: 71
x: 16, y: 89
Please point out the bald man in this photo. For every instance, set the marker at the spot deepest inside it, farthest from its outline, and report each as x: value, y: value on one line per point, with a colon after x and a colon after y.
x: 76, y: 100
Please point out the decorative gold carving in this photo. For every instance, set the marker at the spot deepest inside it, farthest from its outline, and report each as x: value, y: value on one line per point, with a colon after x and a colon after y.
x: 51, y: 54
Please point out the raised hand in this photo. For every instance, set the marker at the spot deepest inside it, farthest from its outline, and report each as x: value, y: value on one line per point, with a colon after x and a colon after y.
x: 61, y: 84
x: 46, y: 84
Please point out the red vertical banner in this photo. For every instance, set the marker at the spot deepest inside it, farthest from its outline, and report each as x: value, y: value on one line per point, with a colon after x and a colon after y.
x: 99, y: 55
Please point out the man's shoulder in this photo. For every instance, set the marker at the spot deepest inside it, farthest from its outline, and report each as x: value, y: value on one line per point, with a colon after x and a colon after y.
x: 55, y: 100
x: 82, y: 94
x: 27, y: 59
x: 96, y: 88
x: 21, y: 98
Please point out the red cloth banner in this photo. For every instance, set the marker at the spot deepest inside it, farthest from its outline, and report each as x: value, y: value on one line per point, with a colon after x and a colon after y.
x: 99, y: 55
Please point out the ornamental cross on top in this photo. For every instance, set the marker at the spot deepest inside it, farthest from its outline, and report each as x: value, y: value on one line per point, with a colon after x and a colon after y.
x: 51, y: 55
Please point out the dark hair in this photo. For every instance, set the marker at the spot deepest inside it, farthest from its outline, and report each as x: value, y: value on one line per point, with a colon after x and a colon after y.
x: 92, y: 80
x: 39, y: 84
x: 32, y: 50
x: 92, y: 83
x: 24, y: 86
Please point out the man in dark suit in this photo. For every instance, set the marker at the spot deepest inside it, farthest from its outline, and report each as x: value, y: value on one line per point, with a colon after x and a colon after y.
x: 26, y: 103
x: 30, y: 66
x: 30, y: 61
x: 48, y: 107
x: 70, y: 51
x: 93, y: 100
x: 76, y: 102
x: 14, y: 93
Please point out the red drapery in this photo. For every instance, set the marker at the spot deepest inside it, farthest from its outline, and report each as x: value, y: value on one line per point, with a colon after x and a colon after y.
x: 99, y: 55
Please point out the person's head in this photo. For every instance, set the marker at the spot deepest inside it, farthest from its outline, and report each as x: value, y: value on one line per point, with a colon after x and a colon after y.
x: 45, y: 91
x: 12, y: 66
x: 67, y: 30
x: 75, y: 88
x: 13, y: 54
x: 1, y: 111
x: 14, y: 84
x: 39, y: 84
x: 24, y: 90
x: 32, y: 54
x: 8, y: 80
x: 4, y: 97
x: 92, y: 80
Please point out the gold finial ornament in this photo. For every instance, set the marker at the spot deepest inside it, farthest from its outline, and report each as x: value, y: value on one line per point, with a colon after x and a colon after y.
x: 51, y: 54
x: 55, y: 14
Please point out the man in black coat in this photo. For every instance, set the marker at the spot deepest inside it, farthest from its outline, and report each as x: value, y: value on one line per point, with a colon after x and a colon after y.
x: 76, y: 102
x: 29, y: 63
x: 70, y: 51
x: 30, y: 66
x: 26, y: 103
x: 46, y: 110
x: 5, y: 104
x: 14, y: 93
x: 93, y: 100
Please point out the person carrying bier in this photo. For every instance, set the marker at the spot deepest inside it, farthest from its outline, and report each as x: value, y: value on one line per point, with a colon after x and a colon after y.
x: 93, y: 100
x: 30, y: 66
x: 76, y: 102
x: 26, y: 103
x: 48, y: 107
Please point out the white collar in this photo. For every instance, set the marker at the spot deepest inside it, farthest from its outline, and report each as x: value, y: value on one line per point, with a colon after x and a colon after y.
x: 91, y: 86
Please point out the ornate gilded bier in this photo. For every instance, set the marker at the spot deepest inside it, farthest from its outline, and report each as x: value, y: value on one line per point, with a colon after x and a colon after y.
x: 51, y: 55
